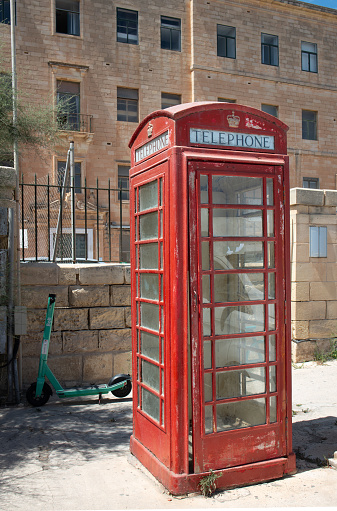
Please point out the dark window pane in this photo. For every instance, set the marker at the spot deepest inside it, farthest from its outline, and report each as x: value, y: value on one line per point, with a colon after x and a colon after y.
x: 68, y: 17
x: 127, y: 26
x: 170, y: 33
x: 226, y: 41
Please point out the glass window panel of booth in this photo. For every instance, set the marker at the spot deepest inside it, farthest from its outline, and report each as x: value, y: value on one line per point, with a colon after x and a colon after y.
x: 149, y: 242
x: 238, y: 294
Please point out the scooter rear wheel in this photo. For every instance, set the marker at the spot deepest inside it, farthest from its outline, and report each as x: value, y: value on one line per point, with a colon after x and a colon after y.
x: 123, y: 391
x: 41, y: 400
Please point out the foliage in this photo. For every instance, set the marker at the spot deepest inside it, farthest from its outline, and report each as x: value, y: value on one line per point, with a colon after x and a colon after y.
x: 324, y: 356
x: 208, y: 485
x: 36, y: 124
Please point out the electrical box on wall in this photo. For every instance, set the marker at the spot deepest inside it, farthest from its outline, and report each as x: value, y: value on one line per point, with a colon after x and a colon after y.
x: 210, y: 288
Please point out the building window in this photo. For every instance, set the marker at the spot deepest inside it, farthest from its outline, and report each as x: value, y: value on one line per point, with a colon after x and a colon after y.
x: 170, y: 33
x: 318, y: 241
x: 61, y: 167
x: 123, y: 182
x: 224, y: 100
x: 168, y: 100
x: 127, y: 104
x: 68, y: 103
x: 5, y: 12
x: 270, y: 109
x: 311, y: 182
x: 68, y: 17
x: 127, y: 26
x: 269, y: 49
x: 309, y: 57
x: 83, y: 239
x: 309, y: 125
x: 226, y: 41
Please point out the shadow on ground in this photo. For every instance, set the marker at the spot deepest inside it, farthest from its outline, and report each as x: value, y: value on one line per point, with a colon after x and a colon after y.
x: 62, y: 434
x: 314, y: 441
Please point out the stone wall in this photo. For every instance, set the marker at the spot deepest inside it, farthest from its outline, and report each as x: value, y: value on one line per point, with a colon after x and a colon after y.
x: 314, y: 289
x: 91, y: 335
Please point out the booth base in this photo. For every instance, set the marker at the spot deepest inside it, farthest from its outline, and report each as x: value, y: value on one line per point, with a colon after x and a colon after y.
x: 180, y: 484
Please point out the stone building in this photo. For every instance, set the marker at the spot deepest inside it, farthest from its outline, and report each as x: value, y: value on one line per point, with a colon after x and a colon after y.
x: 114, y: 62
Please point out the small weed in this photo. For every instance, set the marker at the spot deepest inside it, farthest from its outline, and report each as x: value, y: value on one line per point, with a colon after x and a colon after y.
x: 306, y: 410
x: 208, y: 485
x: 294, y: 412
x: 324, y: 356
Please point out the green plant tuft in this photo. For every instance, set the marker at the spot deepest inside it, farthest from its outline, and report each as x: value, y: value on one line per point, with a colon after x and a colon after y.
x: 208, y: 484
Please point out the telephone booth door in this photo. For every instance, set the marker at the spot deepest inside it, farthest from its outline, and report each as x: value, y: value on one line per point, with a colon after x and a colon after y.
x: 237, y: 272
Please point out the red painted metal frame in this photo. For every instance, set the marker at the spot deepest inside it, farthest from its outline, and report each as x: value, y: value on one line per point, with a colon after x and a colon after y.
x: 164, y: 450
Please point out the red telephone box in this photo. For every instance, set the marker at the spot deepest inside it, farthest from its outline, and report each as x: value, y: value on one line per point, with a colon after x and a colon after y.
x: 210, y: 296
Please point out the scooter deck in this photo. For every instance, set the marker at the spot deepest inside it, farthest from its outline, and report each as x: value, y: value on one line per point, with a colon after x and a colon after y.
x: 92, y: 390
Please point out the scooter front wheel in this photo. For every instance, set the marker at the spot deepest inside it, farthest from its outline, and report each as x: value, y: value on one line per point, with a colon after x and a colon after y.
x: 123, y: 391
x: 41, y: 400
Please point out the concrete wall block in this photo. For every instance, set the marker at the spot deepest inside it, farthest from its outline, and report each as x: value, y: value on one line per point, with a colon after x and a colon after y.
x: 307, y: 350
x: 89, y: 296
x: 70, y: 319
x: 323, y: 291
x: 128, y: 317
x: 106, y: 317
x: 298, y: 209
x: 97, y: 368
x: 102, y: 274
x: 331, y: 272
x: 39, y: 273
x: 309, y: 272
x: 36, y: 297
x: 300, y: 291
x: 122, y: 363
x: 31, y: 344
x: 322, y: 329
x: 324, y: 219
x: 67, y: 274
x: 307, y: 196
x: 115, y: 340
x: 35, y: 320
x: 331, y: 310
x: 80, y: 341
x: 127, y: 274
x: 300, y: 233
x: 67, y: 369
x: 30, y: 367
x: 299, y: 329
x: 300, y: 253
x: 120, y: 295
x: 301, y: 311
x: 330, y: 198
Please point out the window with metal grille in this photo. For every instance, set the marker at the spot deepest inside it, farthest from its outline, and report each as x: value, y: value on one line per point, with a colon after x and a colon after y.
x: 168, y: 100
x: 270, y: 109
x: 5, y: 12
x: 309, y: 57
x: 269, y: 49
x: 170, y: 33
x: 309, y: 125
x: 318, y: 241
x: 127, y: 26
x: 61, y: 167
x: 68, y: 100
x: 127, y: 104
x: 311, y: 182
x: 226, y: 41
x: 68, y: 17
x: 123, y: 182
x: 224, y: 100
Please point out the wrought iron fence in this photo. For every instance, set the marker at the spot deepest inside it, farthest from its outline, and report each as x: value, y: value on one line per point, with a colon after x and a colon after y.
x: 73, y: 121
x: 99, y: 221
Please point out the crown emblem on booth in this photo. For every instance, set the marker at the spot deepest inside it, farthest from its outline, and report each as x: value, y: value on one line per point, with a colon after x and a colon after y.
x: 233, y: 120
x: 149, y: 130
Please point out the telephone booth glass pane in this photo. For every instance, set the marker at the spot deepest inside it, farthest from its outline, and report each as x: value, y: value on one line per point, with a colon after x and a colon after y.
x: 239, y: 289
x: 149, y: 218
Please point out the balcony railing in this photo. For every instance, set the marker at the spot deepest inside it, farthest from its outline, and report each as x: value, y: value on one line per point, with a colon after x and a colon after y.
x: 75, y: 122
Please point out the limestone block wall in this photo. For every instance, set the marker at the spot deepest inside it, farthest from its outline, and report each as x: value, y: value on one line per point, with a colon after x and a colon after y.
x: 91, y: 334
x: 314, y: 279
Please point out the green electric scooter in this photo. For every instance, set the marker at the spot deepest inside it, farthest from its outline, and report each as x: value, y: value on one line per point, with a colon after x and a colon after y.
x: 39, y: 392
